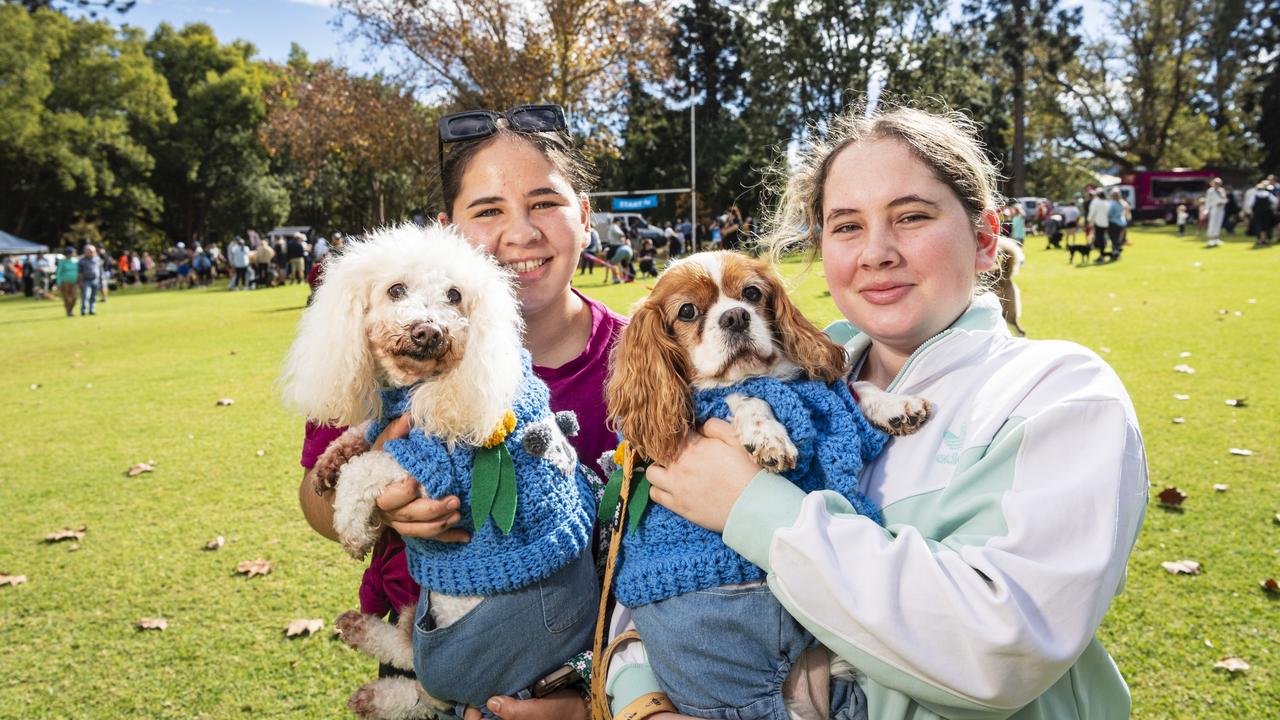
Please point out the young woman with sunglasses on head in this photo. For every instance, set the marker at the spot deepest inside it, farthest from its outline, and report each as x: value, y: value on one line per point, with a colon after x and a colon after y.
x: 1008, y: 518
x: 514, y: 185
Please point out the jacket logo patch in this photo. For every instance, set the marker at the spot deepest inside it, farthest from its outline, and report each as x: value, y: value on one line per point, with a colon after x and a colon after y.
x: 949, y: 450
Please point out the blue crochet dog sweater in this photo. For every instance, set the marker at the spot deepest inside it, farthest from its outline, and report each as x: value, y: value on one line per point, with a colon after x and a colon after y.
x: 554, y: 512
x: 668, y: 556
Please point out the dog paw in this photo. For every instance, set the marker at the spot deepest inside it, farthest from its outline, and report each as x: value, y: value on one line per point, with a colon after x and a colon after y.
x: 903, y: 414
x: 364, y: 703
x: 351, y: 625
x: 775, y: 453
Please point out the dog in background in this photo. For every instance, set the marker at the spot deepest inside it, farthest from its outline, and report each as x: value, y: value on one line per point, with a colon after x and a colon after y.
x: 1083, y: 249
x: 420, y: 316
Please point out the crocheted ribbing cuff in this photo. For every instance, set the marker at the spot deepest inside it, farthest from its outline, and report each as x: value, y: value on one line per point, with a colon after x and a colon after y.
x: 449, y: 567
x: 644, y: 580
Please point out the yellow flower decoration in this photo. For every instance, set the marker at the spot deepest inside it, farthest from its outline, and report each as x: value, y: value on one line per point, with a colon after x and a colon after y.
x: 500, y: 433
x: 620, y: 454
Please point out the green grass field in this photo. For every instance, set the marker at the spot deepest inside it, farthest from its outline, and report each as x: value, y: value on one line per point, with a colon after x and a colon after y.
x: 86, y: 398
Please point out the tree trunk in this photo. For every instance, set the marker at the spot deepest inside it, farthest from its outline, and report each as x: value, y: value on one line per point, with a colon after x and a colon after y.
x: 1019, y: 181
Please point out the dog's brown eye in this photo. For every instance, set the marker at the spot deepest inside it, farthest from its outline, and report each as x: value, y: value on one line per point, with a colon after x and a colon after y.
x: 397, y: 291
x: 454, y: 296
x: 687, y: 312
x: 752, y: 294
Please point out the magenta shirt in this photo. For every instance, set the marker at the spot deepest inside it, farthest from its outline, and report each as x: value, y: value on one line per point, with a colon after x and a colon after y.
x: 578, y: 385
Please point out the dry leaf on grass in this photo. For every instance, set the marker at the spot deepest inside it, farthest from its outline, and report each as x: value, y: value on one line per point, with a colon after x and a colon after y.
x: 1179, y: 421
x: 1270, y: 586
x: 1240, y: 451
x: 1184, y: 354
x: 1221, y: 487
x: 1182, y: 368
x: 140, y: 468
x: 223, y: 402
x: 12, y: 579
x: 1237, y: 402
x: 147, y: 623
x: 1104, y: 349
x: 215, y: 543
x: 254, y: 567
x: 1171, y: 497
x: 73, y: 547
x: 303, y: 627
x: 35, y: 386
x: 1232, y: 664
x: 1180, y: 396
x: 260, y: 453
x: 1181, y: 567
x: 66, y: 533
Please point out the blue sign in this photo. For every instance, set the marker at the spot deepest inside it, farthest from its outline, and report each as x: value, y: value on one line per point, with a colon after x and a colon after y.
x: 635, y: 203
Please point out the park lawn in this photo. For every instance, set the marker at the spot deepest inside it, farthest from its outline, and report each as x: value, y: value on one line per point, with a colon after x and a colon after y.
x: 85, y: 398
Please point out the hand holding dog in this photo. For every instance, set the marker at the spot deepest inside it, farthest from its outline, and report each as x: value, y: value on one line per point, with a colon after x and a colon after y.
x: 405, y: 509
x: 707, y: 478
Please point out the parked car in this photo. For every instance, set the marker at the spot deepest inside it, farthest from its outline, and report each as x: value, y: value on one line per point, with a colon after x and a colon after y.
x: 634, y: 223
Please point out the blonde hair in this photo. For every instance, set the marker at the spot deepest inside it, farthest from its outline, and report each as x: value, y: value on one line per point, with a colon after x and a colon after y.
x: 946, y: 142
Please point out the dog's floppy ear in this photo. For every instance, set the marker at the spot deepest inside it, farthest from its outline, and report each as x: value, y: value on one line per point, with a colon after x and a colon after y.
x: 806, y: 345
x: 648, y: 393
x: 330, y: 375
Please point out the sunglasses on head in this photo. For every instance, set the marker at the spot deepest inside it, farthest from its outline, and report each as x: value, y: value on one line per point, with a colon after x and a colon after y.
x: 476, y: 124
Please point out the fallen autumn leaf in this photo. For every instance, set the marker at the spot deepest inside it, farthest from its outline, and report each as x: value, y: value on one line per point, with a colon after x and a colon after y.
x: 139, y: 468
x: 215, y: 543
x: 147, y: 623
x: 12, y: 579
x: 1270, y: 586
x: 303, y: 627
x: 1220, y: 487
x: 1171, y: 497
x: 1237, y: 402
x: 254, y: 567
x: 1232, y: 664
x: 1240, y: 451
x: 1181, y: 567
x: 1186, y: 369
x: 225, y: 402
x: 66, y: 533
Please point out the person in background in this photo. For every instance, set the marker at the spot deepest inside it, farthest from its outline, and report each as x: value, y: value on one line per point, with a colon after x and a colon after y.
x: 67, y: 276
x: 261, y: 259
x: 1263, y: 212
x: 238, y: 255
x: 1182, y: 217
x: 90, y: 280
x: 1117, y: 212
x: 1097, y: 221
x: 1215, y: 207
x: 1017, y: 222
x: 296, y: 252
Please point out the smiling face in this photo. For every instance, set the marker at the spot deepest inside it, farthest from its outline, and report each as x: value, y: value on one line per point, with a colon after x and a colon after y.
x: 900, y: 253
x: 515, y: 205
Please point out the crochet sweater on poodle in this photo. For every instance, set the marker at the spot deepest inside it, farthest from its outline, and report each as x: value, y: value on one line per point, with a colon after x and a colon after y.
x: 554, y: 512
x: 668, y: 556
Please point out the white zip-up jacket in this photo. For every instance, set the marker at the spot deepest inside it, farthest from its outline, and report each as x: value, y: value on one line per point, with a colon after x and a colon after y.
x: 1098, y: 213
x: 1009, y: 519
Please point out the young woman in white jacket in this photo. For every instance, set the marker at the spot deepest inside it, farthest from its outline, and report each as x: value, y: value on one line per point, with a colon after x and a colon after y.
x: 1009, y: 518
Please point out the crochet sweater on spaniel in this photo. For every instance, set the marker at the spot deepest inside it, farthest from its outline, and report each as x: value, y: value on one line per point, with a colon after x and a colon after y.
x: 668, y: 556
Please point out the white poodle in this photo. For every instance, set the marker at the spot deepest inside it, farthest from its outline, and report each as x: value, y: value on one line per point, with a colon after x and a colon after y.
x: 407, y: 307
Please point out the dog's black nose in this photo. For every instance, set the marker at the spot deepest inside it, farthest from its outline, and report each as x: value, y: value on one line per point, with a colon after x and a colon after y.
x: 735, y: 320
x: 426, y: 336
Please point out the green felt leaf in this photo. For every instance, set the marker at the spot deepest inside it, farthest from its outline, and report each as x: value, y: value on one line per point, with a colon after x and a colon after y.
x: 609, y: 501
x: 484, y: 483
x: 504, y: 502
x: 639, y: 500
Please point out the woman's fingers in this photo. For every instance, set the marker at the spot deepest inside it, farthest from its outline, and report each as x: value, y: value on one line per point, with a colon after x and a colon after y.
x: 402, y: 500
x: 717, y: 429
x: 438, y: 531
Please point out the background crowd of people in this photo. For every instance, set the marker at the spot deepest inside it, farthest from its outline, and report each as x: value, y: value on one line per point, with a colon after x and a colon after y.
x: 90, y: 272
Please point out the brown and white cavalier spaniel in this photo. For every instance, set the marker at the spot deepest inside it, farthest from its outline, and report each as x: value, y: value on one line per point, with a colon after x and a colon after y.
x: 713, y: 320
